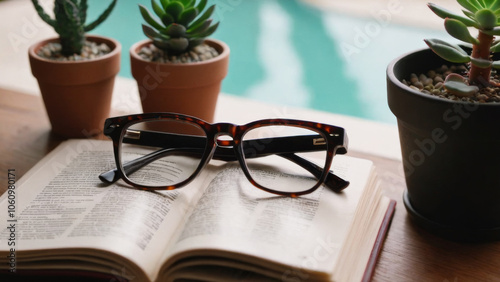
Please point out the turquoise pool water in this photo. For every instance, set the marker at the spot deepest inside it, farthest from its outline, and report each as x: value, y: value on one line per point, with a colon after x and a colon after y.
x: 289, y: 53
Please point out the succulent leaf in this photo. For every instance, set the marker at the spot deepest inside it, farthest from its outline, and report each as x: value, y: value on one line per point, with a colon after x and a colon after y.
x: 188, y: 16
x: 486, y: 19
x: 495, y: 5
x: 471, y: 15
x: 481, y: 63
x: 468, y: 6
x: 488, y: 3
x: 495, y: 47
x: 210, y: 30
x: 447, y: 51
x: 201, y: 6
x: 203, y: 17
x: 160, y: 43
x: 195, y: 31
x: 496, y: 64
x: 494, y: 31
x: 480, y: 3
x: 195, y: 41
x: 187, y: 3
x: 178, y: 44
x: 174, y: 9
x: 164, y: 3
x: 176, y: 30
x: 457, y: 85
x: 444, y: 13
x: 149, y: 18
x: 459, y: 30
x: 152, y: 33
x: 157, y: 9
x: 167, y: 19
x: 457, y: 47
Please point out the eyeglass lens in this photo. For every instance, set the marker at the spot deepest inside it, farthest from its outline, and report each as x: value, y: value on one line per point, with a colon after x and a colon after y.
x: 167, y: 152
x: 277, y: 171
x: 164, y: 159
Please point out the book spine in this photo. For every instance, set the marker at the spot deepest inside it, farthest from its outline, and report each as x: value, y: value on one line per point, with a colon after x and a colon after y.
x: 379, y: 242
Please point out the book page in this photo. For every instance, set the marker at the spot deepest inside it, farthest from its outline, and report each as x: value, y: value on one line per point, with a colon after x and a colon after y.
x: 305, y: 232
x: 61, y: 203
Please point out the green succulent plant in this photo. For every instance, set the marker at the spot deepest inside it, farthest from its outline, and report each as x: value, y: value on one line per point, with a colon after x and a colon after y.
x: 179, y: 25
x: 483, y: 15
x: 69, y: 22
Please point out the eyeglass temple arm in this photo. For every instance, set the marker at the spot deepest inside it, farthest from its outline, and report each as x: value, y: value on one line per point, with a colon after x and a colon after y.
x: 132, y: 166
x: 332, y: 181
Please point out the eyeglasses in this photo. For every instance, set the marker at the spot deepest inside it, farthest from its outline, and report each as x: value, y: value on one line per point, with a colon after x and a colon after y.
x: 165, y: 151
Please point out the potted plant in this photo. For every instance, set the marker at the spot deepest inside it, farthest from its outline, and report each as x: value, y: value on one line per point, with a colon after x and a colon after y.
x: 75, y: 71
x: 447, y: 106
x: 177, y: 69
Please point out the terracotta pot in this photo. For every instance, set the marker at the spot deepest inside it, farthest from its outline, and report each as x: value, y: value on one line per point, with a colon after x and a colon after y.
x: 190, y: 88
x: 77, y: 95
x: 451, y: 155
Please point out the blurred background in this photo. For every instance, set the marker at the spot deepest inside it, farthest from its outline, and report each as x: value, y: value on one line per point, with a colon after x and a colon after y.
x: 326, y: 55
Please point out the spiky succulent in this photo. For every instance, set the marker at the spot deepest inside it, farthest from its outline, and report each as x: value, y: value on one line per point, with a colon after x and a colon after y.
x: 180, y: 24
x: 483, y: 15
x: 69, y: 22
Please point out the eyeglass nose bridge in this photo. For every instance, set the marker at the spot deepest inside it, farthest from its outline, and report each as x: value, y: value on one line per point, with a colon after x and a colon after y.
x: 225, y: 135
x: 223, y: 142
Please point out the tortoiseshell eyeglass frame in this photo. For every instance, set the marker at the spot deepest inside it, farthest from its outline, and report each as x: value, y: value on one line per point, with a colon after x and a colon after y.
x: 333, y: 137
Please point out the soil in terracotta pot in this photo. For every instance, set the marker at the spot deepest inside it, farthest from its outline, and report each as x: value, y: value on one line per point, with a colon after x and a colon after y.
x: 432, y: 83
x: 199, y: 53
x: 90, y: 50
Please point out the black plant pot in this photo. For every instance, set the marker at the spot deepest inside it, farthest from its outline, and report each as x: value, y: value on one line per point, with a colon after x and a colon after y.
x: 451, y: 156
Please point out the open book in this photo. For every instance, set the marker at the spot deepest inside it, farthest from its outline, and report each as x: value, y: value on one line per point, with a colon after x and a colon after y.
x: 60, y: 220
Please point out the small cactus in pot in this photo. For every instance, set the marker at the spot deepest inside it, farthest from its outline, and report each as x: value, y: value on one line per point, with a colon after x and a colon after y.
x: 179, y: 25
x: 69, y: 22
x: 484, y: 16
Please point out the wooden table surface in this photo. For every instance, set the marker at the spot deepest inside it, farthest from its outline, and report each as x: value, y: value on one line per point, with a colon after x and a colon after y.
x: 409, y: 253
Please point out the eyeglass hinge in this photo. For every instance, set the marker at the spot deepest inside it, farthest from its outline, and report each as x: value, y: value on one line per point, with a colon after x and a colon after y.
x: 319, y: 141
x: 133, y: 134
